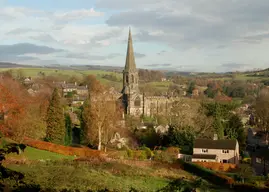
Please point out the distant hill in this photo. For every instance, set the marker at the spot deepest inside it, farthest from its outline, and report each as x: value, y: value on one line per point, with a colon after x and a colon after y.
x: 119, y: 69
x: 12, y: 65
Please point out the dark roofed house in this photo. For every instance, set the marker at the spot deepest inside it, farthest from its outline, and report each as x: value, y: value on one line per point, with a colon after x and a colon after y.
x: 223, y: 151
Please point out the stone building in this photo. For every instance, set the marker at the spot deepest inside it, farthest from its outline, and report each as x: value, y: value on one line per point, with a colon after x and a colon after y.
x: 136, y: 103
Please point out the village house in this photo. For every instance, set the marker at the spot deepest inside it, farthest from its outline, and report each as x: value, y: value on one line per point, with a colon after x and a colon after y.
x: 222, y: 151
x: 72, y: 87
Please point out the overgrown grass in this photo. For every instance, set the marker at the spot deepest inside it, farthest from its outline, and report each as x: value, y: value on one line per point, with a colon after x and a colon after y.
x: 82, y: 176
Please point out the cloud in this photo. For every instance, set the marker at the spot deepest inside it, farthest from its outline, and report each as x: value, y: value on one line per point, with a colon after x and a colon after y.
x: 190, y: 23
x: 162, y: 52
x: 26, y: 48
x: 235, y: 66
x: 159, y: 65
x: 77, y: 14
x: 89, y: 56
x: 18, y: 31
x: 44, y: 38
x: 139, y: 55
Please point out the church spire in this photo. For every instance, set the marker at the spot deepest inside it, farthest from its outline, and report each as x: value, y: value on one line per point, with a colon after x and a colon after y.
x: 130, y: 58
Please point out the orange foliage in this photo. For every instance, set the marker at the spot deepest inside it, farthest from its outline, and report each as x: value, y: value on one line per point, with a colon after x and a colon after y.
x: 72, y: 151
x: 173, y: 151
x: 217, y: 166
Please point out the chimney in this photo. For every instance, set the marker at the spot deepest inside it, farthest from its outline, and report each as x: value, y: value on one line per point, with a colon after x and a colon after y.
x: 215, y: 137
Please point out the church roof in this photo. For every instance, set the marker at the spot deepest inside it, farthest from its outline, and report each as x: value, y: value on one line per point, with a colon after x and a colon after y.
x: 130, y: 58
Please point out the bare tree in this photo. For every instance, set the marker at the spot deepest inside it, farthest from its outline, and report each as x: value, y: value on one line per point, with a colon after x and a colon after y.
x: 261, y: 112
x: 102, y: 115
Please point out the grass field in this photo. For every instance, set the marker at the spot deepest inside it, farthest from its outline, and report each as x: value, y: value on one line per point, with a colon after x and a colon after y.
x: 35, y: 72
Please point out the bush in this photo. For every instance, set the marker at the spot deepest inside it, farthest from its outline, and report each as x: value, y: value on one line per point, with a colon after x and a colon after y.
x: 140, y: 154
x: 148, y: 152
x: 162, y: 156
x: 174, y: 151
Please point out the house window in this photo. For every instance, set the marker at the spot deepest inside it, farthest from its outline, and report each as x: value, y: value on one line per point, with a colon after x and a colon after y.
x: 224, y: 161
x: 204, y: 150
x: 225, y: 151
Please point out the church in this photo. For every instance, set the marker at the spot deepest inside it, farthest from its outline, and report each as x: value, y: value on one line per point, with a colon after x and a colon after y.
x: 136, y: 103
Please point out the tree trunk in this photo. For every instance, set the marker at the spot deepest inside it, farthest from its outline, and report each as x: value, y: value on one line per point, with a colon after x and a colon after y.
x: 99, y: 139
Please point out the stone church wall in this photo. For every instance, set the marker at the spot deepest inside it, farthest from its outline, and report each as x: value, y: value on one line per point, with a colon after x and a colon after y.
x: 157, y: 105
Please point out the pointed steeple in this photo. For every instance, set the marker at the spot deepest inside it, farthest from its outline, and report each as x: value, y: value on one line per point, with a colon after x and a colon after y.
x: 130, y: 58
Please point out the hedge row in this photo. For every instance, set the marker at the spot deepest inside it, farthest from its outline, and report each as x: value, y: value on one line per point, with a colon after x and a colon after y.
x: 64, y: 150
x: 249, y: 188
x: 220, y: 179
x: 212, y: 176
x: 216, y: 166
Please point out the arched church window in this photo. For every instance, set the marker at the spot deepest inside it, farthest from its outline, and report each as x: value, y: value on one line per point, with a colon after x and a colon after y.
x: 133, y: 80
x: 137, y: 102
x: 127, y: 79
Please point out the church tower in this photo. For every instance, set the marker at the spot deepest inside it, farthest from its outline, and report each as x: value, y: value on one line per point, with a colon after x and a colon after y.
x: 132, y: 99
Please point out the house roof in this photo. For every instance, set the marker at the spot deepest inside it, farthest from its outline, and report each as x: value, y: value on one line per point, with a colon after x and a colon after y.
x: 69, y: 85
x: 204, y: 156
x: 215, y: 144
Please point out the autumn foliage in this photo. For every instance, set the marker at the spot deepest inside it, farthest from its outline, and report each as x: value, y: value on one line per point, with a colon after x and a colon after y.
x: 24, y: 114
x: 217, y: 166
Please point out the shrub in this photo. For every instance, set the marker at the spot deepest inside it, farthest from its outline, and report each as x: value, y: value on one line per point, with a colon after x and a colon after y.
x: 130, y: 153
x: 163, y: 156
x: 140, y: 154
x: 173, y: 151
x: 148, y: 152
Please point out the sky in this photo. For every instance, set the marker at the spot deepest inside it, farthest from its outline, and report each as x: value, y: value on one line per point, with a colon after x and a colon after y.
x: 183, y: 35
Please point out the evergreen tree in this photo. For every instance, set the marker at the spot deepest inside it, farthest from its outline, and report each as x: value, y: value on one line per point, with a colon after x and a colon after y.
x: 218, y: 122
x: 85, y: 120
x: 191, y: 87
x: 68, y: 132
x: 55, y: 120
